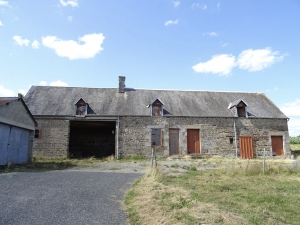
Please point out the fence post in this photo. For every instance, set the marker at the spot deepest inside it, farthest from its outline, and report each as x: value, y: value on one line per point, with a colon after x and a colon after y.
x: 264, y: 161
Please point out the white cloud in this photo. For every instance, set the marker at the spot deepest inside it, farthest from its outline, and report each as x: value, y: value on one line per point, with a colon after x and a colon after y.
x: 219, y: 64
x: 43, y: 83
x: 294, y: 127
x: 224, y: 44
x: 58, y: 83
x: 6, y: 92
x: 176, y: 3
x: 4, y: 3
x: 70, y: 18
x: 251, y: 60
x: 35, y: 44
x: 19, y: 41
x: 197, y: 5
x: 171, y: 22
x: 1, y: 24
x: 212, y: 34
x: 74, y: 50
x: 292, y: 110
x: 255, y: 60
x: 73, y: 3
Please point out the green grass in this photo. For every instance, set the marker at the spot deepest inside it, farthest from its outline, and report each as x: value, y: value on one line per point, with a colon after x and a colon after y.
x: 295, y: 147
x: 238, y: 194
x: 260, y: 199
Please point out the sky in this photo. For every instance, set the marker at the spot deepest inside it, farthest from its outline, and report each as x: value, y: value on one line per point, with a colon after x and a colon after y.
x: 209, y: 45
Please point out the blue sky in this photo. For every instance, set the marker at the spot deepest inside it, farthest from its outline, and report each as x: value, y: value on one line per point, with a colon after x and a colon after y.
x: 232, y: 45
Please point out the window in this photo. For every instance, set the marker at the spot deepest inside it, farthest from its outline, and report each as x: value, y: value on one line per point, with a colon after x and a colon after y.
x: 80, y: 107
x: 156, y: 108
x: 239, y: 108
x: 231, y: 140
x: 241, y: 111
x: 37, y: 133
x: 156, y: 137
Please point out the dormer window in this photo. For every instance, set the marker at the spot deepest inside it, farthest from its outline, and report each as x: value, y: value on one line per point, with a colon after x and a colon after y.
x: 157, y: 107
x: 239, y: 108
x: 81, y: 107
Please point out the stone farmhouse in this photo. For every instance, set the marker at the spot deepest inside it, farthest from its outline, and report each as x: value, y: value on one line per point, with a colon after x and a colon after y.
x: 84, y: 122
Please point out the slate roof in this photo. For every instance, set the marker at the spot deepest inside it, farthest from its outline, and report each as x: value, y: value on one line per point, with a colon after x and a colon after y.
x: 5, y: 100
x: 59, y: 101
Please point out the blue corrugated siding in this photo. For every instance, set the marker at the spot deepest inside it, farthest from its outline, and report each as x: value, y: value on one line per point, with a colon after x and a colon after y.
x: 13, y: 144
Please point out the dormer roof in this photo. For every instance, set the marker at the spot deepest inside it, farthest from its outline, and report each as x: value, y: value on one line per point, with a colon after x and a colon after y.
x: 236, y: 103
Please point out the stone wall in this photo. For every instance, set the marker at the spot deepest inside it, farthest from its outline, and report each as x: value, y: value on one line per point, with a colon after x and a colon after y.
x: 54, y: 138
x: 217, y: 135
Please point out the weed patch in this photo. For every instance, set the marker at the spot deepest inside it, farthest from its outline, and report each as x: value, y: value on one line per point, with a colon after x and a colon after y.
x: 237, y: 194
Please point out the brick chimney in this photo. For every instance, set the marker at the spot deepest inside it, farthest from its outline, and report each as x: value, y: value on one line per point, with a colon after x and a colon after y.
x: 121, y: 84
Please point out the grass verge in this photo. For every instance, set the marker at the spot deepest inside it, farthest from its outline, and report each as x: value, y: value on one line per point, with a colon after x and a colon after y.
x: 238, y: 194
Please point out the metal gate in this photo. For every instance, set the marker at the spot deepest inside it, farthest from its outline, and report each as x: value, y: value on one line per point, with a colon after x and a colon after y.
x: 13, y: 144
x: 193, y: 141
x: 174, y: 141
x: 246, y: 147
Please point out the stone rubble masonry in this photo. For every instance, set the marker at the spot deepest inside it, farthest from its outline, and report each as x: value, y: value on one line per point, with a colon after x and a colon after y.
x: 135, y: 135
x: 54, y: 140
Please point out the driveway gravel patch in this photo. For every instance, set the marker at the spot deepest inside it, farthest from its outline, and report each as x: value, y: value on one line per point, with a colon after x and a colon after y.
x: 64, y: 197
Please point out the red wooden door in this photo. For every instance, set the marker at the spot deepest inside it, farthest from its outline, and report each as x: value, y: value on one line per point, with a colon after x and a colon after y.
x: 246, y: 147
x: 193, y: 141
x: 277, y: 145
x: 174, y: 141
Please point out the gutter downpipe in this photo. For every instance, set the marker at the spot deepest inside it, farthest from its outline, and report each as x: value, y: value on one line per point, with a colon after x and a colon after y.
x: 236, y: 150
x: 117, y: 139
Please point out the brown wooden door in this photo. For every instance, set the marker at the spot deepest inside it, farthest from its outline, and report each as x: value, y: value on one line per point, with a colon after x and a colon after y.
x: 246, y: 147
x: 173, y: 141
x: 277, y: 145
x: 193, y: 141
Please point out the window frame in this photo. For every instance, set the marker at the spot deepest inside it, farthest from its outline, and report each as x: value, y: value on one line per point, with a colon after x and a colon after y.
x: 37, y: 133
x: 156, y: 135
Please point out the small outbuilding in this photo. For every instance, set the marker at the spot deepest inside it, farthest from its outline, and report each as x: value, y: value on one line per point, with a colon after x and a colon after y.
x: 17, y: 130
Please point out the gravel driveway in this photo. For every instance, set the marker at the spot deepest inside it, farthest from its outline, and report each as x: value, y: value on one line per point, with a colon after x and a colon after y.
x: 64, y: 197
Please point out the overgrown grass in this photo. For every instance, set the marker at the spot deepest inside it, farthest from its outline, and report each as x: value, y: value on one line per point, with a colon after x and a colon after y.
x: 238, y: 194
x: 295, y: 147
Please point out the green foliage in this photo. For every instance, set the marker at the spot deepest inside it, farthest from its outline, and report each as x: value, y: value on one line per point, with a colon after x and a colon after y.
x: 295, y: 140
x: 20, y: 95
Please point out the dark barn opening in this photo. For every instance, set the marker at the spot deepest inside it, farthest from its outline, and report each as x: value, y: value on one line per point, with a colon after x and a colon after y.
x: 92, y: 139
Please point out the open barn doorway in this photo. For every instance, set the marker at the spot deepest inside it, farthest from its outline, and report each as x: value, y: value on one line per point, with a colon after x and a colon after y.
x: 92, y: 139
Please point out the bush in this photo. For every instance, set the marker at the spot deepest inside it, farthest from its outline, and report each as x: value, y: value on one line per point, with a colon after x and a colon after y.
x: 295, y: 140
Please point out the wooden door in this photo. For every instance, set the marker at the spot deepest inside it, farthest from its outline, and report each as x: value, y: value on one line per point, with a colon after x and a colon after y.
x: 246, y: 147
x: 173, y: 141
x: 277, y: 145
x: 193, y: 141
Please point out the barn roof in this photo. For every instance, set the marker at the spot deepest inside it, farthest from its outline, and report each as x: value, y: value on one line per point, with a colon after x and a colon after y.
x: 59, y: 101
x: 4, y: 100
x: 7, y: 100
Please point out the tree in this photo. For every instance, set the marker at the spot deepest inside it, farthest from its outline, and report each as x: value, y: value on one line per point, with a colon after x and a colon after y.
x: 20, y: 95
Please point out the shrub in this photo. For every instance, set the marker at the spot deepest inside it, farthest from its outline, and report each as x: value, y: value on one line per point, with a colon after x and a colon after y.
x: 295, y: 140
